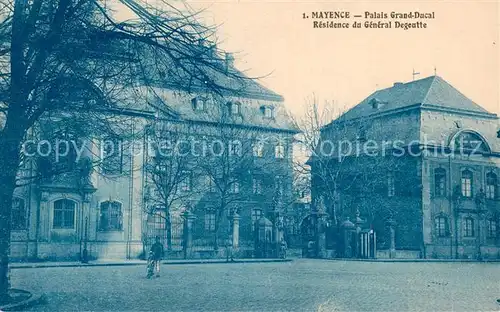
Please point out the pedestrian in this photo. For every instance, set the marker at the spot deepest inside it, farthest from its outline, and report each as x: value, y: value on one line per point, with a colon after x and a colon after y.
x: 157, y: 250
x: 283, y: 248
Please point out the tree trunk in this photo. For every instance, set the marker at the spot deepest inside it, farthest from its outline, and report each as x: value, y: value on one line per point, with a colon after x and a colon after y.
x: 9, y: 162
x: 169, y: 232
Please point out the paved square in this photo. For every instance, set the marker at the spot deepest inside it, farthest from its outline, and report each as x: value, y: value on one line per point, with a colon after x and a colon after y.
x: 302, y: 285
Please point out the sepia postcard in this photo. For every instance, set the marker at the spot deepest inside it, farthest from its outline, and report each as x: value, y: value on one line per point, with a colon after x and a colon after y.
x: 249, y: 155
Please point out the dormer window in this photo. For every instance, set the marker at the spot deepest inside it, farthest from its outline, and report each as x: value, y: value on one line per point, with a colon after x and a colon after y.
x: 234, y: 108
x: 198, y: 103
x: 376, y: 103
x: 267, y: 111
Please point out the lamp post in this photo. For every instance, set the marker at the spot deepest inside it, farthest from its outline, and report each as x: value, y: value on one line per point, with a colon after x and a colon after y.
x: 85, y: 258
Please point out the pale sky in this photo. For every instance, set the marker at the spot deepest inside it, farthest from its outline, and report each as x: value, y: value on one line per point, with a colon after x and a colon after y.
x: 346, y: 65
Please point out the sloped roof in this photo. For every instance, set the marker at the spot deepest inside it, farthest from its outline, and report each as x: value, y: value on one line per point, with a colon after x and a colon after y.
x: 432, y: 91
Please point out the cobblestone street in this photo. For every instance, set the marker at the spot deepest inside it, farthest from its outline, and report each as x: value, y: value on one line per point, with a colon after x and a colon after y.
x: 302, y: 285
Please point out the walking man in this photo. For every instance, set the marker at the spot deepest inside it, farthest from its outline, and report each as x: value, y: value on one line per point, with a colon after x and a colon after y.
x: 157, y: 250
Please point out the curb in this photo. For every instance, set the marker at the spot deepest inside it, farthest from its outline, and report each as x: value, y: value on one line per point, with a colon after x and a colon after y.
x: 416, y: 260
x: 31, y: 301
x: 116, y: 264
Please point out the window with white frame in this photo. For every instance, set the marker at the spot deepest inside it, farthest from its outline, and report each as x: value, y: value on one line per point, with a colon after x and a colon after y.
x: 469, y: 227
x: 64, y: 214
x: 198, y: 103
x: 111, y: 218
x: 235, y: 108
x: 258, y: 149
x: 491, y: 185
x: 466, y: 183
x: 391, y: 187
x: 491, y: 227
x: 210, y: 221
x: 279, y: 151
x: 18, y: 215
x: 257, y: 186
x: 441, y: 226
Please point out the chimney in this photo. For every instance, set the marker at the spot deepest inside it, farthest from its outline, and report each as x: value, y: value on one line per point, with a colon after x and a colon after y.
x: 229, y: 60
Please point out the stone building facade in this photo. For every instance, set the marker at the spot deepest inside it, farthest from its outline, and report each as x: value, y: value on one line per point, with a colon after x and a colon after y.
x: 107, y: 212
x: 425, y: 160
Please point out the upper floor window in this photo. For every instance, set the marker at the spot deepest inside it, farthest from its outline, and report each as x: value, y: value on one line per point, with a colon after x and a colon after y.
x: 234, y: 108
x: 491, y: 228
x: 440, y: 182
x: 111, y: 216
x: 18, y: 215
x: 470, y: 142
x: 466, y: 183
x: 185, y: 182
x: 442, y: 226
x: 469, y: 227
x: 258, y: 149
x: 64, y: 214
x: 491, y: 185
x: 199, y: 103
x: 235, y: 148
x: 234, y: 187
x: 391, y: 187
x: 209, y: 184
x: 267, y: 111
x: 279, y: 151
x: 257, y: 186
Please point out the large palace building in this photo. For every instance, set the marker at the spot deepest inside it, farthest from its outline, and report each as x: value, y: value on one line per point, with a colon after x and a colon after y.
x: 420, y: 158
x: 123, y: 203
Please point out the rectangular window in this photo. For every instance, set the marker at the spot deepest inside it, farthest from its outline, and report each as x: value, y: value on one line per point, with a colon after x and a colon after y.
x: 279, y: 151
x: 491, y: 185
x: 258, y: 149
x: 441, y: 226
x: 235, y: 148
x: 469, y: 227
x: 440, y: 182
x: 391, y: 188
x: 257, y: 186
x: 185, y: 183
x: 234, y: 188
x: 210, y: 221
x: 466, y: 183
x: 64, y: 214
x: 492, y: 228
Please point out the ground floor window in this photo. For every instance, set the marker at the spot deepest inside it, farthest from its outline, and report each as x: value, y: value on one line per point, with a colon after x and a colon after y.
x: 210, y: 221
x: 64, y: 214
x: 441, y: 226
x: 469, y: 227
x: 491, y: 228
x: 111, y: 216
x: 256, y: 214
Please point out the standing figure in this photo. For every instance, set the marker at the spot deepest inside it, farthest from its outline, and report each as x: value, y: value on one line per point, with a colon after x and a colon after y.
x: 157, y: 251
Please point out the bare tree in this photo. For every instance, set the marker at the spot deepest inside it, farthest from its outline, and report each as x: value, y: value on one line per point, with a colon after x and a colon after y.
x: 74, y: 57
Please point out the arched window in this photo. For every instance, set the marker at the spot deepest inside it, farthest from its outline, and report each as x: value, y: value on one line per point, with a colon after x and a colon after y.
x: 491, y: 185
x: 18, y: 214
x: 466, y: 183
x: 111, y: 218
x: 442, y: 226
x: 470, y: 142
x: 469, y: 227
x: 64, y: 214
x: 440, y: 182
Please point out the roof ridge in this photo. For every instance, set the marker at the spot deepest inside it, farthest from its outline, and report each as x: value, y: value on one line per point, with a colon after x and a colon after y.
x: 429, y: 89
